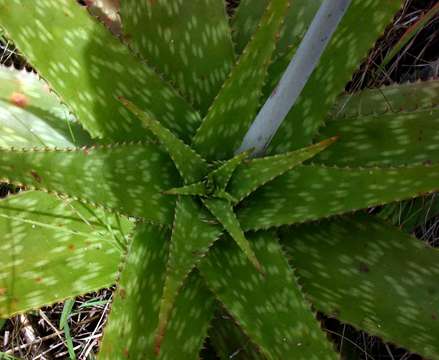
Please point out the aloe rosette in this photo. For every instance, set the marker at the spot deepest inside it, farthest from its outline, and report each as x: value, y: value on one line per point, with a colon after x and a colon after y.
x: 125, y: 144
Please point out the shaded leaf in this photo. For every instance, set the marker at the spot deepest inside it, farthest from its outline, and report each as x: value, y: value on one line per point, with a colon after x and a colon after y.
x: 82, y: 249
x: 313, y: 192
x: 270, y: 309
x: 232, y: 112
x: 373, y: 276
x: 95, y: 62
x: 360, y: 27
x: 131, y: 176
x: 133, y: 318
x: 189, y: 42
x: 229, y: 341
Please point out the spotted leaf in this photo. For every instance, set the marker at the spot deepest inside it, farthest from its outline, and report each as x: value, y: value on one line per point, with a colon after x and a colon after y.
x: 189, y: 164
x: 231, y: 113
x: 389, y: 99
x: 92, y: 68
x: 187, y: 41
x: 82, y: 248
x: 372, y: 276
x: 131, y: 177
x: 133, y: 319
x: 249, y: 14
x: 363, y: 23
x: 255, y: 173
x: 223, y: 212
x: 270, y: 308
x: 193, y: 233
x: 313, y: 192
x: 383, y: 140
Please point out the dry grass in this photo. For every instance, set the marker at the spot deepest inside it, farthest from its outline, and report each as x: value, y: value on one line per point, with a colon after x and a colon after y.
x: 37, y: 335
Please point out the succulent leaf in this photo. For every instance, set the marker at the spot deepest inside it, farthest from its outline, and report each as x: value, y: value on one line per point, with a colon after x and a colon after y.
x: 314, y: 192
x: 192, y: 235
x: 92, y: 69
x: 223, y: 212
x: 222, y: 175
x: 195, y: 189
x: 359, y: 28
x: 396, y: 98
x: 392, y: 139
x: 270, y: 309
x: 249, y: 14
x: 188, y: 163
x: 389, y: 276
x: 189, y: 42
x: 134, y: 315
x: 82, y: 249
x: 30, y: 115
x: 231, y: 114
x: 253, y: 174
x: 131, y: 176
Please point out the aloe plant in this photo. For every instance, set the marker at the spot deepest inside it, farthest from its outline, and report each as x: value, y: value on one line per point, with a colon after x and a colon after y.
x: 125, y: 146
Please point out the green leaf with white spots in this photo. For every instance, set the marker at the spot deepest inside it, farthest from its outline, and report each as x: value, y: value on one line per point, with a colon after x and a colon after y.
x: 396, y: 98
x: 270, y: 308
x: 92, y: 68
x: 391, y: 139
x: 298, y: 19
x: 133, y: 318
x: 223, y: 212
x: 255, y: 173
x: 82, y: 249
x: 373, y: 276
x: 192, y: 235
x: 231, y: 113
x: 131, y: 177
x: 250, y: 12
x: 187, y: 41
x: 314, y: 192
x: 189, y: 164
x: 30, y: 115
x: 360, y: 27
